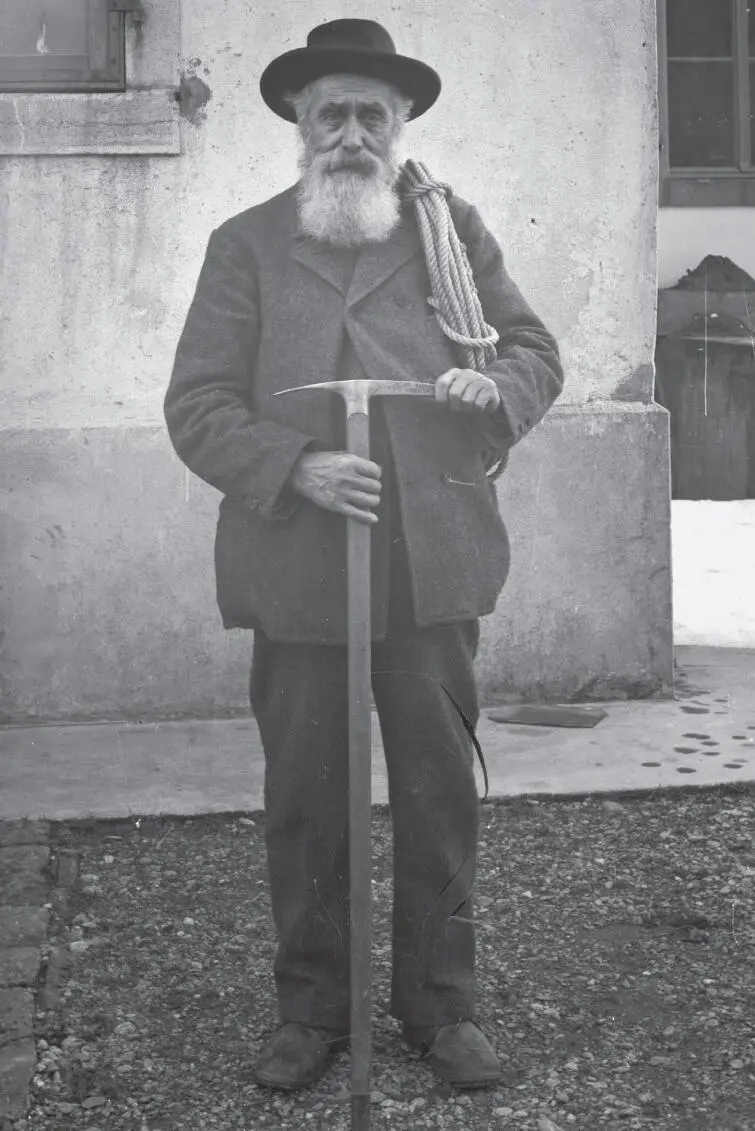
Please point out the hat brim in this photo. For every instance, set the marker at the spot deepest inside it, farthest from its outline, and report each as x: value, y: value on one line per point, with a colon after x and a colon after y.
x: 293, y: 70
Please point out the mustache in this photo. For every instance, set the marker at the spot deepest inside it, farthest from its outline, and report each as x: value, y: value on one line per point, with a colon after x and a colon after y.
x: 340, y: 162
x: 362, y: 164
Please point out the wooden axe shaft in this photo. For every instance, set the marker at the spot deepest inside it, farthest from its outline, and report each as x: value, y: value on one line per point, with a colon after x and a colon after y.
x: 359, y: 604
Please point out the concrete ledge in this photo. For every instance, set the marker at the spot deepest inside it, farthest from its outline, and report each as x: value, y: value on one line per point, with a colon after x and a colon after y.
x: 137, y: 121
x: 108, y: 601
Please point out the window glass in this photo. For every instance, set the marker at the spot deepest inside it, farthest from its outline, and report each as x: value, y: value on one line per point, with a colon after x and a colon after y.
x: 700, y: 28
x: 43, y: 27
x: 701, y: 114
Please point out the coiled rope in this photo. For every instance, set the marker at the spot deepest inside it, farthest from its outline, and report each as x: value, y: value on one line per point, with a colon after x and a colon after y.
x: 455, y: 299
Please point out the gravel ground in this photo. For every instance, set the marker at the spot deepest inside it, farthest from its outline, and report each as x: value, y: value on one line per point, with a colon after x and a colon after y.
x: 616, y: 976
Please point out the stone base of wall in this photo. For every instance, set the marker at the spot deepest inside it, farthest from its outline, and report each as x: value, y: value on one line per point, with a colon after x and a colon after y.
x: 107, y: 599
x: 586, y: 612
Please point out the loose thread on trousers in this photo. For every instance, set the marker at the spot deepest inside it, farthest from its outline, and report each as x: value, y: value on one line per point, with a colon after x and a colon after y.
x: 468, y: 726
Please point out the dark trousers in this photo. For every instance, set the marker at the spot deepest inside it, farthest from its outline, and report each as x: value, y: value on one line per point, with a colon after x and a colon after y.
x: 299, y: 697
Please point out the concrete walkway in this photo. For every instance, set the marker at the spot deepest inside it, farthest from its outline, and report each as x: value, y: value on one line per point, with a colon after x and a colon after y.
x: 706, y: 735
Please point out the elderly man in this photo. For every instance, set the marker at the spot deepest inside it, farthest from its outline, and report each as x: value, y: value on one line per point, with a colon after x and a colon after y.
x: 329, y: 280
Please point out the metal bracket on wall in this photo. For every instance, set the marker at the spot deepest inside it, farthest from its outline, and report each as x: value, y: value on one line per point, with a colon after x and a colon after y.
x: 135, y: 8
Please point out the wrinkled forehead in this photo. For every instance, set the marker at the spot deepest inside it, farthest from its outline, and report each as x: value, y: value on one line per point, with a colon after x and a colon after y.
x: 353, y: 88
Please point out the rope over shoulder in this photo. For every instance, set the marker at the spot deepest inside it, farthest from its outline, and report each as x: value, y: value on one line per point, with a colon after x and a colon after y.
x: 455, y: 299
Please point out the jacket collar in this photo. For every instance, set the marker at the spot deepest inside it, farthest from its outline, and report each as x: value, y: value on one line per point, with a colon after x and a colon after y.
x: 375, y: 263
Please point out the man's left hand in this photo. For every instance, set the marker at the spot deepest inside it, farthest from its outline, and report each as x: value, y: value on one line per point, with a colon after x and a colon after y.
x: 465, y: 390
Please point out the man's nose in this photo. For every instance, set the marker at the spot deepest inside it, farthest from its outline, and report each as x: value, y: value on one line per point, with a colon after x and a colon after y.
x: 352, y: 134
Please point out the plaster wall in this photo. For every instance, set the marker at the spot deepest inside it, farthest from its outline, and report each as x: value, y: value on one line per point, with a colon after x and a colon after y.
x: 687, y: 235
x: 547, y: 122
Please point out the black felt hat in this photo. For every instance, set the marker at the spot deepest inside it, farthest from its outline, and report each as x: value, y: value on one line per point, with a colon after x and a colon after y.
x: 348, y: 47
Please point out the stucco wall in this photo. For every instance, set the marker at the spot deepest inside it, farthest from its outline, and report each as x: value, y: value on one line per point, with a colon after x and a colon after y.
x: 547, y: 122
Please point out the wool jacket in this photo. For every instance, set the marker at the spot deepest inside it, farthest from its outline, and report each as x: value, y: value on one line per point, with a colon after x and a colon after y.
x: 275, y: 309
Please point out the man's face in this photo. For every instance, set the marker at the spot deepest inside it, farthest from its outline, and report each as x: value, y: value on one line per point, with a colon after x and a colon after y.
x: 352, y: 122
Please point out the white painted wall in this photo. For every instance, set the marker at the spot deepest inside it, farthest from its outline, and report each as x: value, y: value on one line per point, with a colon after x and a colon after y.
x: 546, y: 122
x: 687, y: 235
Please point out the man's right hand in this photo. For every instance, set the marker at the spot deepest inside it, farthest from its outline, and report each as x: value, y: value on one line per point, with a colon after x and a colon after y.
x: 338, y: 482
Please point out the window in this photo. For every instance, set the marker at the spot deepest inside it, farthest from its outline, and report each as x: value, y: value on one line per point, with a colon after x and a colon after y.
x: 706, y: 51
x: 85, y: 76
x: 56, y: 45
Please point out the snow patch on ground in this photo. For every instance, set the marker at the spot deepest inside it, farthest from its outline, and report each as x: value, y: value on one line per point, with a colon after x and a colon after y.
x: 713, y: 547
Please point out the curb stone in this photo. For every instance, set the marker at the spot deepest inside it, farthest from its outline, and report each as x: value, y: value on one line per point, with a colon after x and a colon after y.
x: 24, y: 915
x: 59, y: 958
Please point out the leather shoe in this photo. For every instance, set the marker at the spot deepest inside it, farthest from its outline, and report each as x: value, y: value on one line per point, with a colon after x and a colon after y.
x: 459, y: 1053
x: 296, y: 1056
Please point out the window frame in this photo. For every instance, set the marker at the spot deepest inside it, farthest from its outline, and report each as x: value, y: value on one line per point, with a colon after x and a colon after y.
x: 103, y: 68
x: 144, y: 118
x: 709, y: 187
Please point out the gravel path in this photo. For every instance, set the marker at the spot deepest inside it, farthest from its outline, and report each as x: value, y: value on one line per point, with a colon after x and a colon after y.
x: 616, y: 976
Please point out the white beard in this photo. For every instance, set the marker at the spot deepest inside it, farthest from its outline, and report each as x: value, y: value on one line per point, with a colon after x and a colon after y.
x: 349, y: 207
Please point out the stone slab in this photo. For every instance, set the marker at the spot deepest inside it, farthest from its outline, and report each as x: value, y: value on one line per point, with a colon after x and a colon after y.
x: 586, y: 612
x: 19, y: 966
x: 24, y: 832
x: 23, y: 876
x: 16, y: 1015
x: 23, y: 926
x: 17, y: 1064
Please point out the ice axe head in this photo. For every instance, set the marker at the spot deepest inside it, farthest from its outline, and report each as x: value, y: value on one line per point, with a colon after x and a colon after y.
x: 356, y: 394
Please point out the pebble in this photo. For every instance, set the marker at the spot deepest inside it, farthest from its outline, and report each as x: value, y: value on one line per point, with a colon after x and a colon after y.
x: 613, y: 807
x: 93, y: 1101
x: 659, y: 1060
x: 78, y: 946
x: 546, y: 1124
x: 503, y: 1111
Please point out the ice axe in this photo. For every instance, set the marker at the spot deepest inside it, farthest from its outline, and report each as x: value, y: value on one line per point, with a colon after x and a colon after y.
x: 356, y: 396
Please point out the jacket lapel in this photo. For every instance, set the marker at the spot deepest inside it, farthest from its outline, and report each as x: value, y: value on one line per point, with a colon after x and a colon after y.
x: 334, y: 265
x: 379, y: 261
x: 374, y: 263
